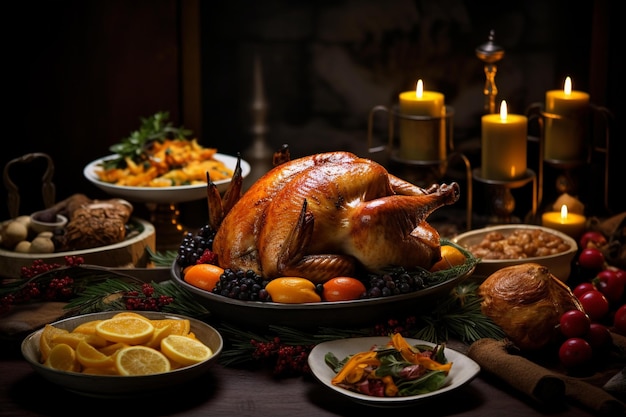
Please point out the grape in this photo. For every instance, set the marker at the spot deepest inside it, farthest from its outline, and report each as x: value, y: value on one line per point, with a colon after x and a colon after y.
x: 394, y: 283
x: 240, y: 285
x: 194, y: 246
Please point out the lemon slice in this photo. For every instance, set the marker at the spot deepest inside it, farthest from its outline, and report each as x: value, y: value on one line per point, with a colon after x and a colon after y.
x: 141, y: 360
x: 90, y: 357
x: 185, y: 350
x: 73, y: 339
x: 63, y: 358
x: 177, y: 326
x: 125, y: 329
x: 46, y: 342
x: 87, y: 327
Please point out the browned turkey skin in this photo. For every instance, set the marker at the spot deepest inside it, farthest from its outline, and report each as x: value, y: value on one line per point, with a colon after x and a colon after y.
x: 323, y: 215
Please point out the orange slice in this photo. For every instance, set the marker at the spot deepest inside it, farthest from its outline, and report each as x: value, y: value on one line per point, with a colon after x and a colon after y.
x: 185, y: 350
x: 141, y: 360
x: 126, y: 329
x: 63, y: 358
x: 90, y: 357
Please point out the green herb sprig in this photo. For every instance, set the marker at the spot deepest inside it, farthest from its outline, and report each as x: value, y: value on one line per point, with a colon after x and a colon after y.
x: 153, y: 128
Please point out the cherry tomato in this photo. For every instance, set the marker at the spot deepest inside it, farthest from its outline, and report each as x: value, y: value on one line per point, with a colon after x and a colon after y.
x: 610, y: 284
x: 592, y: 239
x: 598, y: 336
x: 574, y: 352
x: 595, y: 304
x: 582, y: 288
x: 591, y: 258
x: 621, y: 275
x: 574, y: 323
x: 343, y: 289
x: 619, y: 320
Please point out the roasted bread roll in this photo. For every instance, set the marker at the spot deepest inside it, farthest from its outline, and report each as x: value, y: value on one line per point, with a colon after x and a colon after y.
x: 96, y: 223
x: 527, y: 302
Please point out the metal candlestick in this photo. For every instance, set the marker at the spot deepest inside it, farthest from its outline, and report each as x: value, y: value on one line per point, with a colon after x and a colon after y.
x: 259, y: 154
x: 490, y: 53
x: 503, y: 202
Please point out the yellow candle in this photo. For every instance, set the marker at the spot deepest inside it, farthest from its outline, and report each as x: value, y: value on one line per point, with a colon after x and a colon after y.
x: 565, y: 136
x: 504, y: 138
x: 571, y: 224
x: 422, y: 140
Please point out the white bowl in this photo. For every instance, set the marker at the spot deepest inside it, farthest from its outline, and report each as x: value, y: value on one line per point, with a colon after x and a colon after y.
x: 462, y: 372
x: 166, y: 195
x: 559, y: 264
x: 38, y: 225
x: 122, y: 386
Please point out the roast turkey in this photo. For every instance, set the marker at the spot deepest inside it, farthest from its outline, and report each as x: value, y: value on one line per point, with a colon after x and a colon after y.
x: 328, y: 215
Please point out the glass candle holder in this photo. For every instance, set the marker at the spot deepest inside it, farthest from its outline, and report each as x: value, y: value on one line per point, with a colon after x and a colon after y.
x: 421, y: 140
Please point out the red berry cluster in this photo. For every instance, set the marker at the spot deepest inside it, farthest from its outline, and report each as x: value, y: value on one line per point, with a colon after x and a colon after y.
x: 395, y: 326
x: 208, y: 257
x: 146, y: 300
x: 288, y: 359
x: 59, y: 288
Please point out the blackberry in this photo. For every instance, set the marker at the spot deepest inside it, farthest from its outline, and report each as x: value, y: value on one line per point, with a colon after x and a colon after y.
x: 242, y: 285
x: 193, y: 246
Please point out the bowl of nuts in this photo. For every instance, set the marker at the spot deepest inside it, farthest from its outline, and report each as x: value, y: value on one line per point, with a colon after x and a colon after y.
x: 506, y: 245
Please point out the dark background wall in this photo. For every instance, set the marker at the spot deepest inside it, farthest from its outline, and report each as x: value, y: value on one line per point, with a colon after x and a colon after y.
x: 85, y: 72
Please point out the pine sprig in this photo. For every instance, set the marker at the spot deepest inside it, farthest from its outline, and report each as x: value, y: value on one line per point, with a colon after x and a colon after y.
x: 456, y: 315
x: 162, y: 258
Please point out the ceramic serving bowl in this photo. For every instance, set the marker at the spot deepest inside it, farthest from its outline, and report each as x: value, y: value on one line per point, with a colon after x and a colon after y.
x: 559, y: 264
x: 39, y: 223
x: 122, y: 386
x: 463, y: 370
x: 166, y: 195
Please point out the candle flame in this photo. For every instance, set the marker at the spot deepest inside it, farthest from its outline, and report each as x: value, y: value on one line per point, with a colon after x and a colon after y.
x: 563, y: 212
x: 419, y: 90
x: 503, y: 110
x: 567, y: 87
x: 513, y: 171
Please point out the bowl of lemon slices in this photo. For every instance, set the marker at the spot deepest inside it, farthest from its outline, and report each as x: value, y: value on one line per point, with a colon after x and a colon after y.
x: 122, y: 353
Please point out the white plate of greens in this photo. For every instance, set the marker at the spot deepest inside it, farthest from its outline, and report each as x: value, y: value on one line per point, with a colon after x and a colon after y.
x: 463, y: 369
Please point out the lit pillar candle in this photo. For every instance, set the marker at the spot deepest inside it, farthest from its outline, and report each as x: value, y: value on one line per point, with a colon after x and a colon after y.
x: 504, y: 138
x: 565, y: 137
x: 422, y: 140
x: 571, y: 224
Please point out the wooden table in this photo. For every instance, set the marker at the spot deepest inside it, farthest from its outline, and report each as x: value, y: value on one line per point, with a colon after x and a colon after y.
x: 251, y: 392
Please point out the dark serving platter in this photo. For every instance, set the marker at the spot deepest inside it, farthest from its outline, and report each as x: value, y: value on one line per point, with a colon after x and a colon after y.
x: 312, y: 315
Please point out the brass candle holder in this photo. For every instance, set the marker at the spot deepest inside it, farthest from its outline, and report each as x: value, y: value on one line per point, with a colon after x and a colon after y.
x: 490, y: 54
